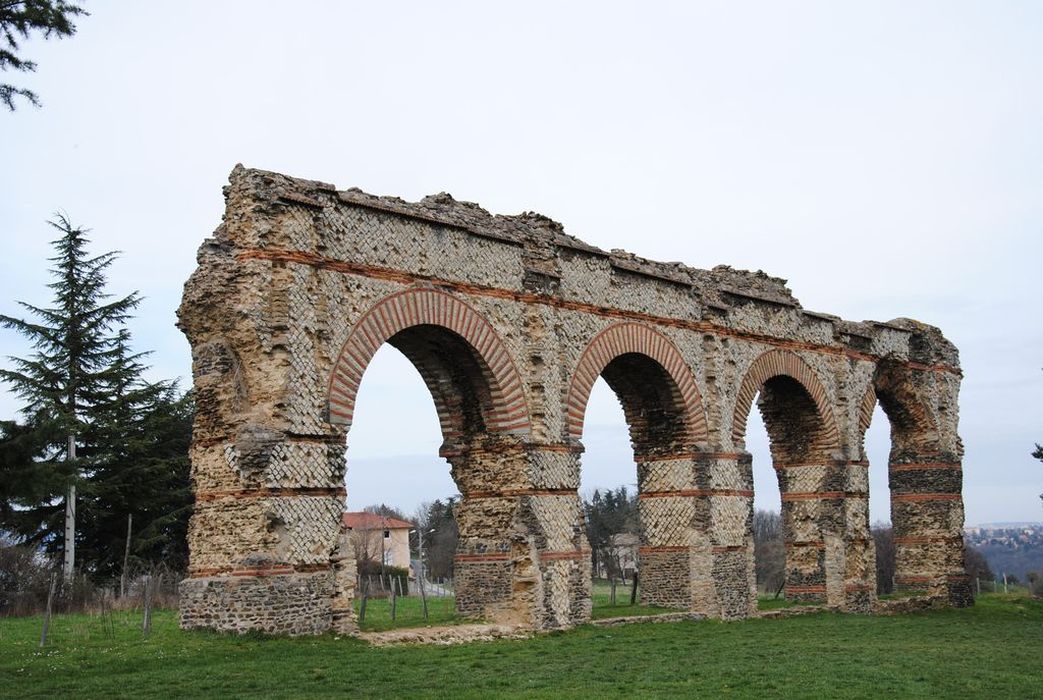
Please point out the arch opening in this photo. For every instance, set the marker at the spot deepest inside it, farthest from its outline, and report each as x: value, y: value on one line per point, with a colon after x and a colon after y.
x: 798, y: 551
x: 456, y: 377
x: 624, y: 525
x: 384, y: 540
x: 663, y: 414
x: 395, y: 436
x: 652, y: 404
x: 876, y: 446
x: 796, y: 429
x: 481, y: 410
x: 924, y: 553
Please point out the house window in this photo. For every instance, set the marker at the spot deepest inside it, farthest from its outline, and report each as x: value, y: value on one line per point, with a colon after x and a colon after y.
x: 387, y: 534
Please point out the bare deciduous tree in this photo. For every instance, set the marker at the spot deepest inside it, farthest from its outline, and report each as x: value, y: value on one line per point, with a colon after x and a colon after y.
x: 884, y: 541
x: 769, y: 551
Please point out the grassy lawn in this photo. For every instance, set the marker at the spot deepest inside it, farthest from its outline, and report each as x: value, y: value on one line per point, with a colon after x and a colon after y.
x: 409, y: 612
x: 601, y: 598
x: 991, y: 650
x: 773, y: 603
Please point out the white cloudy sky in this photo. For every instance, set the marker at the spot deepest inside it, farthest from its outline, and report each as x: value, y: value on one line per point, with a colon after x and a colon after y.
x: 885, y: 157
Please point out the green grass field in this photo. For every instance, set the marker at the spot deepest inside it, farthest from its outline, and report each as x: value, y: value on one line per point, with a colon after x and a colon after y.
x: 992, y: 650
x: 442, y: 610
x: 601, y: 598
x: 409, y: 612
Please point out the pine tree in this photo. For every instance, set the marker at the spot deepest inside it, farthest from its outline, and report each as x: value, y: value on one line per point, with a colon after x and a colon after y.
x: 20, y: 18
x: 142, y: 469
x: 71, y: 374
x: 26, y: 480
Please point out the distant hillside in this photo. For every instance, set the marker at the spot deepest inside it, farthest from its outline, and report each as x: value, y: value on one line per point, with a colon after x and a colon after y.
x: 1017, y: 562
x: 1011, y: 548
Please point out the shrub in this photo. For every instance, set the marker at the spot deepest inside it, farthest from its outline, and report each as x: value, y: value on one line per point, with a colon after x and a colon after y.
x: 25, y: 577
x: 370, y: 568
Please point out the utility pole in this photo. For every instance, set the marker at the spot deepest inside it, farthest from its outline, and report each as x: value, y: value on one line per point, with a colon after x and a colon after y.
x: 383, y: 556
x: 420, y: 547
x: 69, y: 561
x: 126, y: 558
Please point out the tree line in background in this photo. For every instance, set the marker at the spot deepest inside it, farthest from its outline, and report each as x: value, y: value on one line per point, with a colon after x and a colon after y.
x: 97, y: 469
x: 609, y: 515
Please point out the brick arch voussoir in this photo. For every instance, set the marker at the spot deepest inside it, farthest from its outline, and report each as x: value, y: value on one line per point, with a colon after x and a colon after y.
x: 415, y: 307
x: 625, y: 338
x: 774, y: 363
x: 895, y: 388
x: 902, y: 390
x: 865, y: 411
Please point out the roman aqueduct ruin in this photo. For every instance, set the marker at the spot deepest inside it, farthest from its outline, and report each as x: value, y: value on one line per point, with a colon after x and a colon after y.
x: 509, y: 322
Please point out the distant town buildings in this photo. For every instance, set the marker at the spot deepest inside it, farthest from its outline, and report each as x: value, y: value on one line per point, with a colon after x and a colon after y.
x: 1012, y: 536
x: 1011, y: 549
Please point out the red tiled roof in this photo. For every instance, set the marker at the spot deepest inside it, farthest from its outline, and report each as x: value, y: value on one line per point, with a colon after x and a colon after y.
x: 372, y: 521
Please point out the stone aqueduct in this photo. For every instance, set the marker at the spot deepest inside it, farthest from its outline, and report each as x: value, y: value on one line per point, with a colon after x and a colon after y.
x: 509, y: 322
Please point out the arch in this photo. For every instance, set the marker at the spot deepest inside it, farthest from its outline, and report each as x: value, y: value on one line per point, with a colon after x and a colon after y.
x: 634, y: 339
x: 505, y: 410
x: 775, y: 363
x: 865, y: 411
x: 914, y: 431
x: 907, y: 412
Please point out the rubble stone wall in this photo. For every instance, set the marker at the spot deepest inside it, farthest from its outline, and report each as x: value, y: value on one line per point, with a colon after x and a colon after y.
x: 509, y: 321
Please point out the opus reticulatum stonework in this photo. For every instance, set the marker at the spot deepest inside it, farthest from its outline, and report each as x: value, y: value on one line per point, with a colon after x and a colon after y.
x: 510, y: 321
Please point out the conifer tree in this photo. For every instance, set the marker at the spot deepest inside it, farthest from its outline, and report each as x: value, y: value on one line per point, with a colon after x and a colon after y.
x: 141, y: 468
x: 70, y: 375
x: 19, y: 19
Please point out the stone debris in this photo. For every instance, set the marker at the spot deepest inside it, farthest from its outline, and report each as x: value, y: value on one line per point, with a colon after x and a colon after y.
x: 447, y: 635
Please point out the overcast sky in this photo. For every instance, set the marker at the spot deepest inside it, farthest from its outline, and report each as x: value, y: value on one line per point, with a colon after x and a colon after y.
x: 886, y: 158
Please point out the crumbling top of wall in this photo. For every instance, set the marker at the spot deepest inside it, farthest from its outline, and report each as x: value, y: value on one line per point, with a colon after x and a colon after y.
x: 542, y: 243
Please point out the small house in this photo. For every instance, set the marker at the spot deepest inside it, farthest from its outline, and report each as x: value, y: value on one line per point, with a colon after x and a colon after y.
x: 377, y: 537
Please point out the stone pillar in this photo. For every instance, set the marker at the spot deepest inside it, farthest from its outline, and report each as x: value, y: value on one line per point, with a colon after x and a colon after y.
x: 859, y: 571
x: 814, y: 511
x: 676, y: 494
x: 490, y: 554
x: 927, y: 521
x: 553, y: 515
x: 733, y: 580
x: 266, y: 521
x: 920, y: 398
x: 345, y: 573
x: 523, y: 557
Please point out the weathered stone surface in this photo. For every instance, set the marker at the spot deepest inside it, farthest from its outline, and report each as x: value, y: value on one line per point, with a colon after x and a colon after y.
x: 510, y: 321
